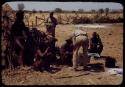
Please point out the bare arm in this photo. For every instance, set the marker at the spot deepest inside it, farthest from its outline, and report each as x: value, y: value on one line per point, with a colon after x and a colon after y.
x: 44, y: 53
x: 19, y: 44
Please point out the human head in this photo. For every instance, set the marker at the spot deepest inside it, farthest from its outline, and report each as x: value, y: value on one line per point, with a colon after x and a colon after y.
x: 20, y: 6
x: 94, y: 34
x: 51, y: 14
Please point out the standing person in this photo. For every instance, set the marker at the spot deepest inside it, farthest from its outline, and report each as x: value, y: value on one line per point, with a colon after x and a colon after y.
x: 18, y: 34
x: 96, y: 45
x: 51, y: 24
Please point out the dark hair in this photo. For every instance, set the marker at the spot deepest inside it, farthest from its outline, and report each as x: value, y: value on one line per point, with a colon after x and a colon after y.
x: 95, y: 35
x: 51, y: 13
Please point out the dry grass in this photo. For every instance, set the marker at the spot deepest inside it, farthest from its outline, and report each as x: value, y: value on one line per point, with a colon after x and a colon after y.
x: 66, y: 18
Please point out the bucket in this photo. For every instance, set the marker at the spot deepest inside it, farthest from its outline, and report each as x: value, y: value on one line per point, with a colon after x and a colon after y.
x: 110, y: 62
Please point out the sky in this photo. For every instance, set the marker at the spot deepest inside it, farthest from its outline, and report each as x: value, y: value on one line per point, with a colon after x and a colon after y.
x: 48, y: 6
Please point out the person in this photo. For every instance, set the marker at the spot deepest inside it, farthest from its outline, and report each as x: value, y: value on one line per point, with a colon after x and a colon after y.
x: 51, y: 53
x: 80, y: 39
x: 41, y: 60
x: 19, y: 36
x: 66, y: 51
x: 29, y: 48
x: 96, y: 45
x: 43, y: 56
x: 51, y: 24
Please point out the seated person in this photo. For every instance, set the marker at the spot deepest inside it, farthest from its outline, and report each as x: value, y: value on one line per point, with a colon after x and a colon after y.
x: 95, y: 45
x: 67, y: 52
x: 44, y: 56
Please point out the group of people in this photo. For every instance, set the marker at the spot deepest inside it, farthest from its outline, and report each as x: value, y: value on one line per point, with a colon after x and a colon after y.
x: 71, y: 52
x: 36, y: 48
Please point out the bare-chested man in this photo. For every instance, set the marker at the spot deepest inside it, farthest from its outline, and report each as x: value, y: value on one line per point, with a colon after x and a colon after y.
x: 51, y: 24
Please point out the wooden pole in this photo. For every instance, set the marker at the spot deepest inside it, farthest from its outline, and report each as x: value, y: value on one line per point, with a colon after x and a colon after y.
x: 36, y: 20
x: 32, y: 24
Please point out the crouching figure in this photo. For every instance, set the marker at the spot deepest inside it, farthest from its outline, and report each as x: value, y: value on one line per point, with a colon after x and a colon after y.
x: 80, y: 39
x: 66, y: 51
x: 44, y: 56
x: 96, y: 45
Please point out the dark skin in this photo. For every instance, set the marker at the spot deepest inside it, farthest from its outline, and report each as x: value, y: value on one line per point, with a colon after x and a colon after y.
x: 18, y: 33
x: 53, y: 19
x: 67, y: 52
x: 45, y: 53
x: 51, y: 24
x: 96, y: 43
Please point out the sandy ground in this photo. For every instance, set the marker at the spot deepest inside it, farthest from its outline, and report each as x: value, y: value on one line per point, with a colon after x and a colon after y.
x: 112, y: 38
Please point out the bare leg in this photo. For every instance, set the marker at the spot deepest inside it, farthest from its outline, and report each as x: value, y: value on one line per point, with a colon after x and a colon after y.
x: 100, y: 48
x: 21, y: 59
x: 85, y: 55
x: 75, y: 57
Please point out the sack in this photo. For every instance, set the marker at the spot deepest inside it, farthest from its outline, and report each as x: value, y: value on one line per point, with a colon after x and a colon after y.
x: 110, y: 62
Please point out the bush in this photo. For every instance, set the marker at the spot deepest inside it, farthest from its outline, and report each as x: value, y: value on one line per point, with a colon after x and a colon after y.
x: 58, y: 10
x: 109, y: 20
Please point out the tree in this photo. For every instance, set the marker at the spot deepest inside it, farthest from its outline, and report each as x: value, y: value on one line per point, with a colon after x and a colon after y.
x: 6, y: 9
x: 34, y: 11
x: 80, y: 10
x: 100, y: 11
x: 73, y: 11
x: 58, y: 10
x: 40, y: 11
x: 93, y: 11
x: 106, y: 11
